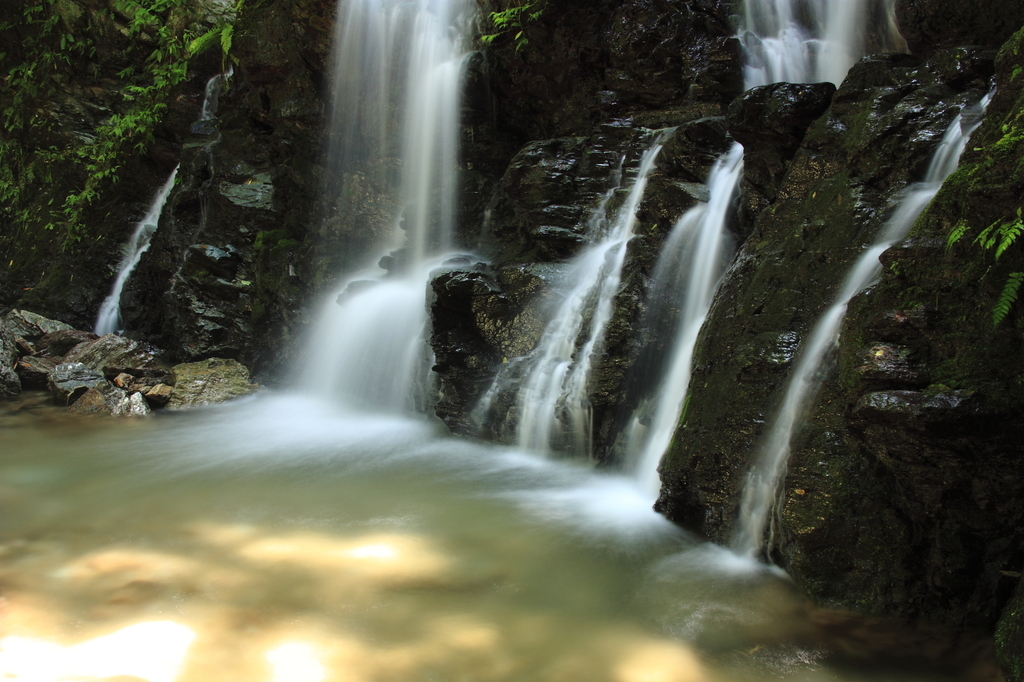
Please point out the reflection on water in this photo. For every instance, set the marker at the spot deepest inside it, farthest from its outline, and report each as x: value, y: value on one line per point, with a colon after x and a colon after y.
x: 281, y: 540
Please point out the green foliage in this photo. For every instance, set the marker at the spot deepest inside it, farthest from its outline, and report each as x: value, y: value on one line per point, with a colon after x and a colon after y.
x: 998, y: 236
x: 161, y: 39
x: 1007, y: 297
x: 221, y: 34
x: 514, y: 19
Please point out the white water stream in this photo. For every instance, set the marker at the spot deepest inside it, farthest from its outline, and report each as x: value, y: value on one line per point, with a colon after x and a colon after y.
x: 783, y: 41
x: 763, y: 486
x: 694, y: 257
x: 552, y: 402
x: 397, y: 73
x: 108, y: 321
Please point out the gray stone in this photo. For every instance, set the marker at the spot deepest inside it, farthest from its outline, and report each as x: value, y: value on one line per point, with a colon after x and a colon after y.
x: 208, y: 382
x: 113, y: 351
x: 34, y: 371
x: 69, y: 380
x: 10, y: 384
x: 256, y: 192
x: 31, y: 326
x: 102, y: 399
x: 131, y: 405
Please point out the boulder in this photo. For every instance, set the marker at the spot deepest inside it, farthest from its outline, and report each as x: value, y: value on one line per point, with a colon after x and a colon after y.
x: 68, y: 381
x: 134, y: 405
x: 30, y: 326
x: 159, y: 395
x: 208, y: 382
x: 34, y: 371
x: 10, y: 384
x: 102, y: 399
x: 113, y: 351
x: 58, y: 343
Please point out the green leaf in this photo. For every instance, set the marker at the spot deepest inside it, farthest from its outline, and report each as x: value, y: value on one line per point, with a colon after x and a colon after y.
x: 1007, y: 298
x: 957, y: 233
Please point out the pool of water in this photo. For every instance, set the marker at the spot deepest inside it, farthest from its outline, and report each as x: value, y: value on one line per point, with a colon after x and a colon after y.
x: 280, y: 539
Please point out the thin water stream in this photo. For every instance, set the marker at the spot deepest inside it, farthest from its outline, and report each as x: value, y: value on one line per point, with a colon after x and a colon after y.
x: 283, y: 539
x: 763, y: 485
x: 108, y: 321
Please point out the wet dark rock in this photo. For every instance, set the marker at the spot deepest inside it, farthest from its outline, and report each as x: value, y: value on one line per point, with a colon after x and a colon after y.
x: 57, y: 344
x: 464, y: 358
x: 30, y: 326
x: 693, y: 149
x: 1010, y: 635
x: 594, y: 60
x: 10, y: 383
x: 113, y: 351
x: 69, y: 380
x: 876, y: 135
x: 540, y: 209
x: 928, y: 25
x: 887, y: 366
x: 223, y: 262
x: 770, y: 123
x: 908, y: 466
x: 34, y: 371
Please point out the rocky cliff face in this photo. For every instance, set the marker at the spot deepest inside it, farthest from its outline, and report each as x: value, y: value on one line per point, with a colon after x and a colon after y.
x: 900, y: 496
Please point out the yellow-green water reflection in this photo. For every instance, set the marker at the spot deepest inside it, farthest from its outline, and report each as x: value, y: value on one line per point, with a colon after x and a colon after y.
x: 279, y: 540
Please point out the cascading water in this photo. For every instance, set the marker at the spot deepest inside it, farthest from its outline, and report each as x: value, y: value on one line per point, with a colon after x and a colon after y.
x: 761, y: 491
x: 812, y: 41
x: 696, y: 254
x: 552, y: 403
x: 108, y: 321
x: 397, y: 69
x: 782, y: 41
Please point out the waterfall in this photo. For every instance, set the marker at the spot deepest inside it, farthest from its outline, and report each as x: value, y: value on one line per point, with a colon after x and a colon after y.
x: 812, y: 41
x: 553, y: 410
x: 782, y: 41
x: 397, y: 69
x: 108, y: 321
x: 763, y: 485
x: 696, y: 254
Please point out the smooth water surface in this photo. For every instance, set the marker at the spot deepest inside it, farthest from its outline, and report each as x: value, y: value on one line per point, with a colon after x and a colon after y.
x: 282, y: 539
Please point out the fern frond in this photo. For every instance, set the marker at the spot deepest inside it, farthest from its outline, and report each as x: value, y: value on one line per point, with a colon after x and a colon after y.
x: 205, y: 41
x: 225, y: 39
x: 1009, y: 232
x: 1007, y: 298
x: 959, y: 230
x: 987, y: 238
